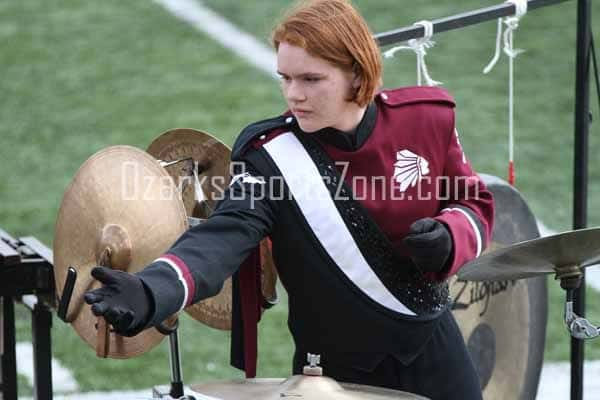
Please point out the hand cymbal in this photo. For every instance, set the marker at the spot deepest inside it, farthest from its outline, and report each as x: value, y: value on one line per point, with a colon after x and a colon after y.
x: 536, y: 257
x: 211, y: 158
x: 121, y: 209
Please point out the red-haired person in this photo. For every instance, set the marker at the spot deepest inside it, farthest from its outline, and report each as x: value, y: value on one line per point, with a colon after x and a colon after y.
x: 370, y: 204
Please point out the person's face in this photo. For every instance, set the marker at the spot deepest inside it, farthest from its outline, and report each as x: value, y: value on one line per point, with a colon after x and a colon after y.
x: 316, y: 91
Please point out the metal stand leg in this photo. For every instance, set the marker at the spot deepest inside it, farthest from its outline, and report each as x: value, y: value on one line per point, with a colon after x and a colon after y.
x: 41, y: 322
x: 176, y: 378
x: 580, y: 174
x: 9, y: 358
x: 176, y: 390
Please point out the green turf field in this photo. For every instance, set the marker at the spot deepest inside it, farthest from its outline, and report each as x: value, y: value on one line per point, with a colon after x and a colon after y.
x: 78, y: 76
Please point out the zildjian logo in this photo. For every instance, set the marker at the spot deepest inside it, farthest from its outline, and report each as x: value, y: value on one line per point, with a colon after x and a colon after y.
x: 471, y: 293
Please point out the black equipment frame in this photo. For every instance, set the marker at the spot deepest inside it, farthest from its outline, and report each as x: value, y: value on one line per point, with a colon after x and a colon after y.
x: 580, y: 178
x: 582, y: 123
x: 26, y: 274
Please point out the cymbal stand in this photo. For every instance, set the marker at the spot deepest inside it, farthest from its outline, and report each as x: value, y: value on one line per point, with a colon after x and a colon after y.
x: 313, y: 369
x: 176, y: 391
x: 579, y: 327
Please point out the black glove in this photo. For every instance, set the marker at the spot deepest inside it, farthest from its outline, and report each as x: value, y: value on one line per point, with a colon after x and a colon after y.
x: 430, y: 244
x: 122, y: 300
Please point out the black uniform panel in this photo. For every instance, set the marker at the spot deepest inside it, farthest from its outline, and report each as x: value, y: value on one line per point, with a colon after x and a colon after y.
x: 327, y: 312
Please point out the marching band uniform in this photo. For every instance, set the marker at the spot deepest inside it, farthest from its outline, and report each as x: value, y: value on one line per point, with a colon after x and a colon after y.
x: 355, y: 295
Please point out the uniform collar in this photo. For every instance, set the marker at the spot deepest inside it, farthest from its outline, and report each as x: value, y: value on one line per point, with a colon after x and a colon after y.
x: 350, y: 141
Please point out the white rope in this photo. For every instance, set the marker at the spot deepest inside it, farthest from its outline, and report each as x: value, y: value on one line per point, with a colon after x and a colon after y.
x: 512, y: 23
x: 496, y: 57
x: 419, y: 46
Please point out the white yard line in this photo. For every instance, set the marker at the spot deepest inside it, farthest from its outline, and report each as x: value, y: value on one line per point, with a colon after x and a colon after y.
x: 544, y: 230
x: 243, y: 44
x: 555, y: 382
x: 62, y: 379
x: 129, y: 395
x: 592, y: 277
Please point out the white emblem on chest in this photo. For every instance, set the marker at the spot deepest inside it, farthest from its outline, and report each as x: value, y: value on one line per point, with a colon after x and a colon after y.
x: 409, y: 169
x: 246, y: 178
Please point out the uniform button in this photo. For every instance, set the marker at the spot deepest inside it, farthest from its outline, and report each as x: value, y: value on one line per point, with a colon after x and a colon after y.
x: 384, y: 96
x: 263, y: 137
x: 289, y: 120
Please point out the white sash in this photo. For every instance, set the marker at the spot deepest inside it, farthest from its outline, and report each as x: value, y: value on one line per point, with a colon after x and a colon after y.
x: 315, y: 202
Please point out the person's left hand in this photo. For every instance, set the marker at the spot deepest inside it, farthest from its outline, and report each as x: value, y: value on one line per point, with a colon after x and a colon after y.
x: 430, y: 244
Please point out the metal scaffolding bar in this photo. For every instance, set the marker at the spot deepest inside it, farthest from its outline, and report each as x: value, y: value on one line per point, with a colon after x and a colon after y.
x: 458, y: 21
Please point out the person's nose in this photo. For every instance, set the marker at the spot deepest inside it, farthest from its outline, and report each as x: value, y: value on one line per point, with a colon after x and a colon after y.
x: 294, y: 92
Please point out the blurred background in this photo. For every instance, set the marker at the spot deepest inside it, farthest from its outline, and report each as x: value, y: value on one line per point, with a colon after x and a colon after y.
x: 78, y: 76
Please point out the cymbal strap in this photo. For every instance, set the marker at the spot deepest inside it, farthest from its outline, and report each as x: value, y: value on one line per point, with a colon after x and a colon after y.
x: 102, y: 338
x: 103, y: 341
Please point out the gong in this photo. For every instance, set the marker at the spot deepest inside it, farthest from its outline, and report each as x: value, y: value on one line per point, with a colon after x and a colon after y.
x: 504, y: 322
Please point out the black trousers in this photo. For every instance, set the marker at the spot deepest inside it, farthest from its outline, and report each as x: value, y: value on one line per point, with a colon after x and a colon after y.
x: 443, y: 371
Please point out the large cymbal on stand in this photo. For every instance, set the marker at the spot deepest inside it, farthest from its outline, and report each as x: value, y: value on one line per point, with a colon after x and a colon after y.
x: 580, y: 248
x: 298, y: 386
x: 121, y: 209
x: 200, y: 191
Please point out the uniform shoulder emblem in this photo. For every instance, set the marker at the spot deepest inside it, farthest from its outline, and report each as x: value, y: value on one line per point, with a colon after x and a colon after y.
x: 416, y: 94
x: 258, y: 130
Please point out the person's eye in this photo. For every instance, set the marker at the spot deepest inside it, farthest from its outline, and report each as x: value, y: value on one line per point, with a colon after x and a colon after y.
x: 312, y: 79
x: 283, y: 78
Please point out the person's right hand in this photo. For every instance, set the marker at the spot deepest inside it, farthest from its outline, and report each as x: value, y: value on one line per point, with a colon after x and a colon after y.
x: 122, y: 300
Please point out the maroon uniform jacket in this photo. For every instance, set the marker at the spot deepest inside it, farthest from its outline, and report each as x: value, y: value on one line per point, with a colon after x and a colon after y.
x: 353, y: 292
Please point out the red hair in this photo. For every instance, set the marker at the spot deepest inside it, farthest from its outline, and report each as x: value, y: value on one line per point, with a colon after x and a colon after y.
x: 334, y: 31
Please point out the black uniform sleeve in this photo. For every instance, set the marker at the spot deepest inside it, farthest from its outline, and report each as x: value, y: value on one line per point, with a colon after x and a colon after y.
x: 201, y: 260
